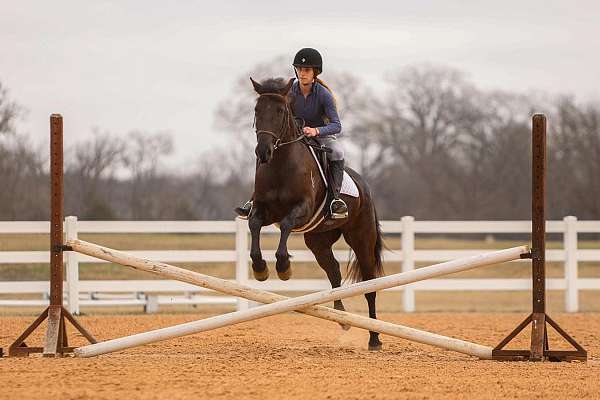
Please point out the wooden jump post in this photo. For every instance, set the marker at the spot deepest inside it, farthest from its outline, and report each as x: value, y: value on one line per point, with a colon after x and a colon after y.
x: 280, y: 304
x: 539, y: 349
x: 56, y: 342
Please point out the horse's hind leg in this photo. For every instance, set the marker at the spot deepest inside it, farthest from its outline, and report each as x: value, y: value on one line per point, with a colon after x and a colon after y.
x: 363, y: 245
x: 320, y: 244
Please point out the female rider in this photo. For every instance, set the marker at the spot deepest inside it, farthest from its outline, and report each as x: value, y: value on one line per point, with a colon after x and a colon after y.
x: 313, y: 101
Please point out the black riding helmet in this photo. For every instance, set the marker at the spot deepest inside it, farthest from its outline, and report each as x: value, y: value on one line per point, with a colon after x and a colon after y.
x: 309, y: 57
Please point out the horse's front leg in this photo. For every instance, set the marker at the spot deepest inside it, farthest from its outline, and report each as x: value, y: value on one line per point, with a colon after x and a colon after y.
x: 259, y: 266
x: 298, y: 214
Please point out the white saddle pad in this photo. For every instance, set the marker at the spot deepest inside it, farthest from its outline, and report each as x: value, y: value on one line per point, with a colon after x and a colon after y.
x: 349, y: 186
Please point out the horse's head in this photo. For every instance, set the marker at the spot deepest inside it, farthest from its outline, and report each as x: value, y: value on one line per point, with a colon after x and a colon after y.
x: 272, y: 114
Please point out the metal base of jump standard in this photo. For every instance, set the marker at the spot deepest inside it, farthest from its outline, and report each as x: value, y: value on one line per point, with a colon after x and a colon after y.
x: 56, y: 339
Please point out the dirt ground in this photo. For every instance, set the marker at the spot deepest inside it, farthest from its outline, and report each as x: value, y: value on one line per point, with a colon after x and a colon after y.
x: 298, y: 357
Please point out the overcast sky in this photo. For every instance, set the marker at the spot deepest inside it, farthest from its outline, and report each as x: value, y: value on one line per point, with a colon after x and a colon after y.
x: 164, y: 66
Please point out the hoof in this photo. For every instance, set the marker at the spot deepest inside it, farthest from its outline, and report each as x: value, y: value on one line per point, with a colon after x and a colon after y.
x: 285, y: 275
x: 375, y: 347
x: 261, y: 275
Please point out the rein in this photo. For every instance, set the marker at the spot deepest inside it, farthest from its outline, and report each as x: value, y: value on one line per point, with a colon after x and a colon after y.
x: 286, y: 119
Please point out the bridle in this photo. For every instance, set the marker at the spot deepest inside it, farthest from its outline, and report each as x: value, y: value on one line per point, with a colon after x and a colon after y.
x: 287, y: 120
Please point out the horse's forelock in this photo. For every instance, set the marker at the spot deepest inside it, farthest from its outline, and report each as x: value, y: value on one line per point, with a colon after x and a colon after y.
x: 273, y: 85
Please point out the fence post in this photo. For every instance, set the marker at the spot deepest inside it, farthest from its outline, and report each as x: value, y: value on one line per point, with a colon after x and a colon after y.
x: 571, y: 267
x: 151, y: 306
x: 241, y: 265
x: 72, y: 267
x: 408, y: 261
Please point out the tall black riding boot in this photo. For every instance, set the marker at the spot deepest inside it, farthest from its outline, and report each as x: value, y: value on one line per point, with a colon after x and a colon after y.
x: 338, y: 207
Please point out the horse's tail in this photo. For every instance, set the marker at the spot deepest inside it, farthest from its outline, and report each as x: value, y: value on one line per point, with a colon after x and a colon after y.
x: 379, y: 245
x: 355, y: 272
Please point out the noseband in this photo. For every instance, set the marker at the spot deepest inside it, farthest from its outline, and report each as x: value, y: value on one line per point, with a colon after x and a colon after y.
x: 286, y: 120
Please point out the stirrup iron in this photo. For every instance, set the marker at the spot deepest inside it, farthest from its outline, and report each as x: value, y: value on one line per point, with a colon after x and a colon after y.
x: 245, y: 210
x: 338, y: 215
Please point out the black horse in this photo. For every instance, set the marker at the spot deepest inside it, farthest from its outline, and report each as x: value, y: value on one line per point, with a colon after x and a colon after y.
x: 288, y: 191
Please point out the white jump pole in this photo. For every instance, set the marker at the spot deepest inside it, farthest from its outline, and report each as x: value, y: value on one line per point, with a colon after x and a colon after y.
x: 257, y: 295
x: 280, y: 306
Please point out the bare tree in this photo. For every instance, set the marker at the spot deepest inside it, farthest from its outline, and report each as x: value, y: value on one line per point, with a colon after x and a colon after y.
x: 575, y: 158
x: 91, y: 174
x: 10, y: 111
x: 416, y: 125
x: 146, y: 185
x: 440, y: 140
x: 24, y: 189
x: 23, y: 194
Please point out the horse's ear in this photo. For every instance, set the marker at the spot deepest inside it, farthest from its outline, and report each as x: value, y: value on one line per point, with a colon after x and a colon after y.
x: 256, y: 85
x: 287, y: 87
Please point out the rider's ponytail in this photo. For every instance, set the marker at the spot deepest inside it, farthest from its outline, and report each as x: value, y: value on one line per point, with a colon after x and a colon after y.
x: 329, y: 89
x: 332, y: 95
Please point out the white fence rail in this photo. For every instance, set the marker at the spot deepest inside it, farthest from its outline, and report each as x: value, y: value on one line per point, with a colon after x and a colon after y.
x: 146, y: 292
